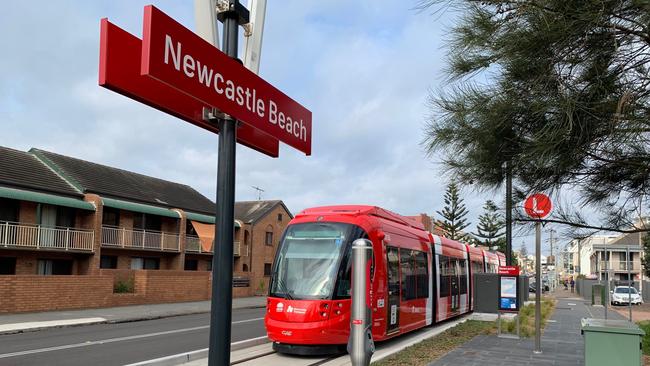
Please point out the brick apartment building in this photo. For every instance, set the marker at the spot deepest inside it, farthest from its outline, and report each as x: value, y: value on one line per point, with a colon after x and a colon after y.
x: 77, y: 234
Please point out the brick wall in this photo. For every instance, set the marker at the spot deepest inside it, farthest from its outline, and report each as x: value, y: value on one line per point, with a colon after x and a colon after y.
x: 29, y: 293
x: 262, y: 253
x: 41, y: 293
x: 27, y: 213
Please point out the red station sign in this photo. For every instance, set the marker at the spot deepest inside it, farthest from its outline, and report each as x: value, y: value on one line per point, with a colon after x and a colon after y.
x: 509, y: 270
x: 538, y: 205
x: 176, y: 56
x: 119, y: 70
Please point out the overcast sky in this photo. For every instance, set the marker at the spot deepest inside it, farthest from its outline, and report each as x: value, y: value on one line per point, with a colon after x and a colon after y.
x: 364, y: 68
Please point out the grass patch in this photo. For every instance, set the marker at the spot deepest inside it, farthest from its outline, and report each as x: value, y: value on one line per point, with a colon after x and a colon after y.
x: 527, y: 318
x: 645, y: 342
x: 433, y: 348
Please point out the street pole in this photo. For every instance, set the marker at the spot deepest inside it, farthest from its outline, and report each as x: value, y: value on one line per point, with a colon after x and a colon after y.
x: 538, y: 285
x: 629, y: 280
x: 509, y: 214
x: 222, y: 262
x: 607, y: 282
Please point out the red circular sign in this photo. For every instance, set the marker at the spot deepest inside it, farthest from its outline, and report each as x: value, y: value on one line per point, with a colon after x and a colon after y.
x: 538, y: 205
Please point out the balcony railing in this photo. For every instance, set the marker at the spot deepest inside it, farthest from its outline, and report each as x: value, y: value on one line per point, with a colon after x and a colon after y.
x: 14, y: 235
x: 139, y: 239
x: 616, y: 266
x: 623, y: 266
x: 193, y: 245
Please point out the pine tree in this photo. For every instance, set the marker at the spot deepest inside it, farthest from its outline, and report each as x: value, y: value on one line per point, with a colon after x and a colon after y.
x: 490, y: 227
x: 453, y: 214
x: 558, y: 90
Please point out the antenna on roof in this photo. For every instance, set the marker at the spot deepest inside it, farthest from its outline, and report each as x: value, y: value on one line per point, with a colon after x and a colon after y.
x: 259, y: 192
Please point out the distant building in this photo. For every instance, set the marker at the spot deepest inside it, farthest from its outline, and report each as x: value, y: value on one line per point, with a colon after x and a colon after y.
x: 590, y: 256
x: 81, y: 234
x: 429, y: 224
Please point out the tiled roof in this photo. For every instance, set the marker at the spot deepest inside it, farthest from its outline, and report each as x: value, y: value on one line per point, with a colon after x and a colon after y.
x: 251, y: 211
x: 22, y: 170
x: 117, y: 183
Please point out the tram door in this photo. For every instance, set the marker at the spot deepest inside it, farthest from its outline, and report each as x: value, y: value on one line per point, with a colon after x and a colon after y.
x: 392, y: 309
x: 454, y: 284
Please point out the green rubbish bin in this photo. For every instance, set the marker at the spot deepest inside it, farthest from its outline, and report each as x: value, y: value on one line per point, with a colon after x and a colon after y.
x: 611, y: 342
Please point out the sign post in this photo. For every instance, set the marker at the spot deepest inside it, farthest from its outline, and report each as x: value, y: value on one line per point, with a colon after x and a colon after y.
x: 176, y: 71
x: 222, y: 260
x: 538, y: 206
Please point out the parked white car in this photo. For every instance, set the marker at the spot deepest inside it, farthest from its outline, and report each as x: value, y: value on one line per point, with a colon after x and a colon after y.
x: 620, y: 296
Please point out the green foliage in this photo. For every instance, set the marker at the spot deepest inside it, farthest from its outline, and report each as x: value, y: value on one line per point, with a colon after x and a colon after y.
x: 557, y: 88
x: 124, y: 286
x: 527, y: 318
x: 423, y: 353
x: 453, y: 214
x: 491, y: 227
x: 645, y: 341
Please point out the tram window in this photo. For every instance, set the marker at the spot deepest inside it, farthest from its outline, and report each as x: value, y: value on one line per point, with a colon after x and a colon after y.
x: 422, y: 274
x: 408, y: 274
x: 477, y: 267
x: 463, y: 276
x: 443, y: 274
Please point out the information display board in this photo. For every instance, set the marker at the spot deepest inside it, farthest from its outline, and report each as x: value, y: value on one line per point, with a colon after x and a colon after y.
x: 508, y: 288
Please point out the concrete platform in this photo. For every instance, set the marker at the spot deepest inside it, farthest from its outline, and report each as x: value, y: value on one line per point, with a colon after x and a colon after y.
x: 562, y: 342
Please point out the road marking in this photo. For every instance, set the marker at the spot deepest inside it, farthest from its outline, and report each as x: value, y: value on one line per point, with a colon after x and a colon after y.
x: 247, y: 340
x: 49, y: 323
x: 113, y: 340
x: 571, y: 304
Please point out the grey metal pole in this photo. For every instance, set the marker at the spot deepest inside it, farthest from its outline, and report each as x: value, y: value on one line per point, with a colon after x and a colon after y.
x: 509, y: 214
x: 360, y: 344
x: 607, y: 282
x: 629, y: 280
x: 539, y: 287
x: 222, y: 261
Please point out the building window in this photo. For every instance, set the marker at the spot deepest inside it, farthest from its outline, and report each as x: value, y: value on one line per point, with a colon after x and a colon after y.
x: 191, y: 265
x: 108, y: 262
x: 209, y: 265
x: 267, y: 269
x: 145, y: 263
x: 7, y: 266
x: 280, y: 217
x: 245, y: 267
x: 57, y: 267
x: 269, y: 235
x: 9, y: 210
x: 147, y: 222
x: 111, y: 216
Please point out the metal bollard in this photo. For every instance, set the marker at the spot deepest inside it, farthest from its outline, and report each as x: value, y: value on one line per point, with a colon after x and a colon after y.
x: 360, y: 344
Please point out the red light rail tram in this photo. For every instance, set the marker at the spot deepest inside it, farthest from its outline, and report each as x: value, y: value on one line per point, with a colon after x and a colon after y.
x: 417, y: 278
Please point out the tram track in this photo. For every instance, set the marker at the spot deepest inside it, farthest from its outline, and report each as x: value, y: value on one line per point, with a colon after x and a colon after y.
x: 272, y: 358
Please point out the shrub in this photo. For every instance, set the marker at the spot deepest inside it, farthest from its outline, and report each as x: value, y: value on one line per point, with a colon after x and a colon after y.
x: 122, y: 287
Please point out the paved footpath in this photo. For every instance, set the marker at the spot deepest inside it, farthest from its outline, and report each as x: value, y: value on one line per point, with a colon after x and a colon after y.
x: 562, y: 343
x: 11, y: 323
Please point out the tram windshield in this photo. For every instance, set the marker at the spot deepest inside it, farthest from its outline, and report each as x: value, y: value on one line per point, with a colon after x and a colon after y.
x: 309, y: 258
